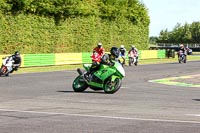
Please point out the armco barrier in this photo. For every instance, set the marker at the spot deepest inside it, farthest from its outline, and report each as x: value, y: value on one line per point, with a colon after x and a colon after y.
x: 86, y: 57
x: 148, y: 54
x: 68, y: 58
x: 31, y: 60
x: 161, y: 53
x: 38, y: 60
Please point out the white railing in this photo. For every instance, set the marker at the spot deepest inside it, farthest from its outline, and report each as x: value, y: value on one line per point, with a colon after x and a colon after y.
x: 176, y: 45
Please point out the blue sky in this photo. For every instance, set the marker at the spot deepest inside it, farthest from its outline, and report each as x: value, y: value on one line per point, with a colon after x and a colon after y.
x: 165, y: 14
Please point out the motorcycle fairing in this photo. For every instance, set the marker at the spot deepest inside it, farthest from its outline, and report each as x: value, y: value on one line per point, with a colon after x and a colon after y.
x: 87, y: 66
x: 95, y: 84
x: 104, y: 73
x: 101, y: 76
x: 114, y: 77
x: 120, y: 69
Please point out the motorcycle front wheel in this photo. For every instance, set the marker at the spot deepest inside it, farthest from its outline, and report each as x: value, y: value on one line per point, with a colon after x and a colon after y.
x: 182, y: 59
x: 111, y: 87
x: 136, y: 63
x: 130, y: 61
x: 79, y: 84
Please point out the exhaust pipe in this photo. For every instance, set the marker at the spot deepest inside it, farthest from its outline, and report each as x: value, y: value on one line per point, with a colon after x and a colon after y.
x: 79, y: 71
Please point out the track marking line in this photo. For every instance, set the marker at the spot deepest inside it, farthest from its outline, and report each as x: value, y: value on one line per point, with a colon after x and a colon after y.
x: 105, y: 117
x: 170, y: 81
x: 198, y: 115
x: 124, y: 87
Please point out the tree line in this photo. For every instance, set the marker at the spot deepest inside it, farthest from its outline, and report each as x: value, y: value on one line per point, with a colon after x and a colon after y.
x: 187, y: 33
x: 133, y: 10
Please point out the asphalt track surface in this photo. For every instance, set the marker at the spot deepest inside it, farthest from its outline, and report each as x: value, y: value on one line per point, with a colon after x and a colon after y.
x: 45, y: 103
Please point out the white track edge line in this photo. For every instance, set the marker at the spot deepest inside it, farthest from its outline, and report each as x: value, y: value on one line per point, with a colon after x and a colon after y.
x: 107, y: 117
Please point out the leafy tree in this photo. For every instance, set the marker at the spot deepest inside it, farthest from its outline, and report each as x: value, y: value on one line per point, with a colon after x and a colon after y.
x: 188, y: 33
x: 153, y: 39
x: 164, y: 36
x: 195, y: 30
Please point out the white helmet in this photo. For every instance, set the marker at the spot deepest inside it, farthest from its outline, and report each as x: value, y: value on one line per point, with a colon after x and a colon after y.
x: 181, y: 45
x: 122, y: 46
x: 99, y: 44
x: 132, y: 46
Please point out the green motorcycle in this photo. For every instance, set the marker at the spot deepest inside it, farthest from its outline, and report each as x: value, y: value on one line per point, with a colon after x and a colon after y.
x: 107, y: 78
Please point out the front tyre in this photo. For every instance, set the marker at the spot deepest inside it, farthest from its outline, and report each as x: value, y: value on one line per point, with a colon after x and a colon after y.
x: 179, y: 60
x: 130, y: 61
x: 136, y: 63
x: 79, y: 84
x: 111, y: 87
x: 184, y: 59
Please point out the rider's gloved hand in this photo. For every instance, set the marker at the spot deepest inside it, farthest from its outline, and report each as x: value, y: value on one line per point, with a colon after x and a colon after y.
x: 111, y: 63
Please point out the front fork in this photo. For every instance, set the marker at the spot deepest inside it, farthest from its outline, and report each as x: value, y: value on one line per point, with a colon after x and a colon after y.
x: 79, y: 71
x: 82, y: 75
x: 112, y: 82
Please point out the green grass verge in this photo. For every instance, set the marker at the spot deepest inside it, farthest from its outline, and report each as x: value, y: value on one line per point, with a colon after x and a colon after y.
x: 48, y: 68
x: 167, y: 60
x: 74, y: 67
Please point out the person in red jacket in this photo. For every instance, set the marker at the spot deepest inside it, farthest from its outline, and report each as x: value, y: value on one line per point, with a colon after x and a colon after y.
x: 96, y: 58
x: 100, y: 50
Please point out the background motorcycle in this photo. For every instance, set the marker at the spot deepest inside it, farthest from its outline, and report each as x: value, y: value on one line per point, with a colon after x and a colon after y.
x: 182, y: 57
x: 107, y: 78
x: 121, y: 60
x: 7, y: 66
x: 132, y: 59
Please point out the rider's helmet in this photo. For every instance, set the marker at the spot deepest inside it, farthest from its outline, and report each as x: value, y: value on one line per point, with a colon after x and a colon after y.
x: 122, y: 46
x: 17, y: 54
x: 132, y: 47
x: 181, y: 45
x: 99, y: 45
x: 114, y: 51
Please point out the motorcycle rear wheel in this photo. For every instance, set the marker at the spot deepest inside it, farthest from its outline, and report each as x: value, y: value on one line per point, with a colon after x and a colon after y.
x: 3, y: 71
x: 112, y: 87
x: 79, y: 85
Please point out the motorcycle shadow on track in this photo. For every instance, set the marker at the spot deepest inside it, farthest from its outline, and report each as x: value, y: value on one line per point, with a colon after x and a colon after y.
x: 198, y: 100
x: 172, y: 63
x: 100, y: 92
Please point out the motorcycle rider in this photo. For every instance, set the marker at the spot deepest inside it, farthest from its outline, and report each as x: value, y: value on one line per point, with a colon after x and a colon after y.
x: 106, y: 59
x: 134, y: 50
x: 96, y: 59
x: 182, y: 49
x: 17, y: 61
x: 100, y: 50
x: 12, y: 62
x: 122, y: 50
